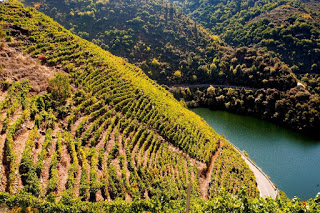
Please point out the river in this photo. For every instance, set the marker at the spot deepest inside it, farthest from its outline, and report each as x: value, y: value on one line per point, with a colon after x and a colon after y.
x: 289, y: 158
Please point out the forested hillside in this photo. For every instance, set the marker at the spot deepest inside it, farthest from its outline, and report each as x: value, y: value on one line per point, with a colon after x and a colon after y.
x: 295, y: 108
x: 290, y: 29
x: 287, y: 29
x: 166, y: 44
x: 94, y: 127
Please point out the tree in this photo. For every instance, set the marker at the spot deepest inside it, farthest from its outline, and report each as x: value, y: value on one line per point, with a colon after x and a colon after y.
x: 177, y: 74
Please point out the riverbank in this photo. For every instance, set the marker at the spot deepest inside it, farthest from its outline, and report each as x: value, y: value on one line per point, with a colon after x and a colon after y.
x: 296, y: 108
x: 266, y: 187
x: 288, y: 157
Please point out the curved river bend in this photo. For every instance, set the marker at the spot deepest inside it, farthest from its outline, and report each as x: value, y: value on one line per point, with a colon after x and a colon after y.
x: 290, y: 159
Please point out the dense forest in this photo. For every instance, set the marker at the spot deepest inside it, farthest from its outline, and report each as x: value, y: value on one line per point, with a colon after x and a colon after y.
x: 290, y: 29
x: 166, y: 44
x: 295, y: 108
x: 312, y: 82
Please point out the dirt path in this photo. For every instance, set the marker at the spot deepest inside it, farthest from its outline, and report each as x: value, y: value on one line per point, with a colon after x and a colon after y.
x: 194, y: 161
x: 63, y: 167
x: 205, y: 181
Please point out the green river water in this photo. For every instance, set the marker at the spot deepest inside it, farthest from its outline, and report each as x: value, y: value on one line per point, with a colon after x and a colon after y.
x: 289, y: 158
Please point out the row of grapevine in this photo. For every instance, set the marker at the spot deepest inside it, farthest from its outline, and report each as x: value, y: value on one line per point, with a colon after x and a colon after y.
x: 229, y: 174
x: 117, y: 136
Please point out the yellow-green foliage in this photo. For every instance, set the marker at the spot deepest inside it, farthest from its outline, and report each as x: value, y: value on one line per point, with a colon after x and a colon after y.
x: 222, y: 203
x: 139, y: 130
x: 228, y: 166
x: 60, y: 86
x: 101, y: 67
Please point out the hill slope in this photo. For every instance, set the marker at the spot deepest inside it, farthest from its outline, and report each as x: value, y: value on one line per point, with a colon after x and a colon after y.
x: 101, y: 130
x: 173, y: 50
x: 288, y: 28
x: 112, y: 134
x: 166, y: 44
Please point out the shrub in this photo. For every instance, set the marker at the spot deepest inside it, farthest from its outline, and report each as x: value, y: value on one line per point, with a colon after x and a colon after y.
x: 60, y: 87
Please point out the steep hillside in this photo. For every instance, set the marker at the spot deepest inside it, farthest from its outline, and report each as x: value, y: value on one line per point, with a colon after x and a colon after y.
x: 100, y: 129
x: 288, y: 28
x: 291, y: 31
x: 152, y: 34
x: 166, y: 44
x: 222, y: 15
x: 173, y: 50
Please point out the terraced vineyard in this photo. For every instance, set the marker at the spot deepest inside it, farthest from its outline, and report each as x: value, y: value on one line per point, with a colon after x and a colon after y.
x: 111, y: 133
x: 85, y: 131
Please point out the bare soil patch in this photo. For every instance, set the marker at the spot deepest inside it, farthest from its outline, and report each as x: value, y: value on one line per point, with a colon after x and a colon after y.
x: 204, y: 182
x: 18, y: 67
x: 63, y: 167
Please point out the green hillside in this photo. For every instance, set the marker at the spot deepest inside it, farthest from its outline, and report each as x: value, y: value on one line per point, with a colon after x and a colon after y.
x: 168, y: 46
x: 290, y: 29
x: 100, y: 129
